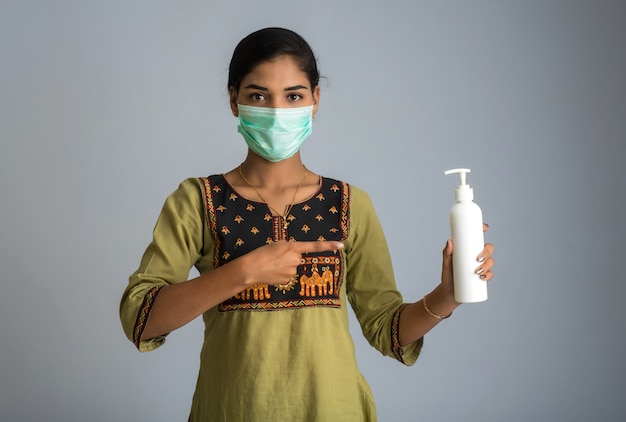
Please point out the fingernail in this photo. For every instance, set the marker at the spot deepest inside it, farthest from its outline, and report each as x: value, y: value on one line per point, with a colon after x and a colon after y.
x: 480, y: 270
x: 483, y: 276
x: 480, y: 258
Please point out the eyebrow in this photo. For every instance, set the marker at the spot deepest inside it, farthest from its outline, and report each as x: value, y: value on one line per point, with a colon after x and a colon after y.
x: 289, y: 88
x: 295, y: 88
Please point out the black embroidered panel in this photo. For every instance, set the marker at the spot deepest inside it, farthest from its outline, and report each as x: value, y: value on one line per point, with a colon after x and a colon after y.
x: 240, y: 225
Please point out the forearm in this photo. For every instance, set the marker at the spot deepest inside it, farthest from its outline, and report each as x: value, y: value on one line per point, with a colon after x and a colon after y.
x: 178, y: 304
x: 415, y: 321
x: 275, y: 263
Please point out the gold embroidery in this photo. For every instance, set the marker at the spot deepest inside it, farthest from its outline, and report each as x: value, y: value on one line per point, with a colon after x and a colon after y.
x: 262, y: 306
x: 288, y: 286
x: 345, y: 209
x: 323, y: 283
x: 212, y: 217
x: 260, y: 291
x: 319, y: 276
x: 279, y: 226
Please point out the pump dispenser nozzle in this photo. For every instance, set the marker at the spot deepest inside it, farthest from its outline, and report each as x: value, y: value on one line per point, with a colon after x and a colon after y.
x: 463, y: 191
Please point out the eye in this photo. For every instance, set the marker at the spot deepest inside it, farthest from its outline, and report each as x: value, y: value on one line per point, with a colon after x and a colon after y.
x: 257, y: 96
x: 293, y: 97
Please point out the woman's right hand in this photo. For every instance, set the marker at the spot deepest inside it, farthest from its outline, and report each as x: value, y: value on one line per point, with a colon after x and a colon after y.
x: 277, y: 262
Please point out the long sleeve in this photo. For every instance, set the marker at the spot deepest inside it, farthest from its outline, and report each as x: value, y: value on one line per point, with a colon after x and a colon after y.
x: 180, y: 241
x: 370, y: 282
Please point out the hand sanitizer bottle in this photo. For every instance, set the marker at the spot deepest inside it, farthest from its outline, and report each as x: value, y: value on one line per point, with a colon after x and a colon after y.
x: 466, y: 228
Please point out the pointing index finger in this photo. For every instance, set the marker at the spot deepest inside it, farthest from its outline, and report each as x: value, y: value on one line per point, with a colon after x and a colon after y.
x: 327, y: 245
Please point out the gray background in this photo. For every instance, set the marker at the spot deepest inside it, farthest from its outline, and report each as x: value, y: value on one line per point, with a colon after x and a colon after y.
x: 106, y: 106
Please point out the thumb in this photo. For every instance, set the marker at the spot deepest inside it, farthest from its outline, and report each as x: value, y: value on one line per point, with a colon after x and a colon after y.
x: 447, y: 275
x: 447, y: 255
x: 447, y: 250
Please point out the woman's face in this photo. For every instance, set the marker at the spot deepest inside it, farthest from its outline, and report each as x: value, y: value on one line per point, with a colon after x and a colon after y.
x: 278, y: 83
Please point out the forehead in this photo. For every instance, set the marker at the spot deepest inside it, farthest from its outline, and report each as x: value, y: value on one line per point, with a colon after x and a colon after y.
x: 276, y: 73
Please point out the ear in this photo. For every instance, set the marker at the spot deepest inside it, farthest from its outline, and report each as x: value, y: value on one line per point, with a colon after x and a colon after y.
x: 316, y: 99
x: 232, y: 92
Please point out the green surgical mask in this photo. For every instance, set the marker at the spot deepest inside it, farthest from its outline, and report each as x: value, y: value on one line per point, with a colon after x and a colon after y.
x: 275, y: 133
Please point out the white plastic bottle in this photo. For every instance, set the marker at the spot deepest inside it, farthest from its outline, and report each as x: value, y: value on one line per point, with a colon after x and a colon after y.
x: 466, y: 228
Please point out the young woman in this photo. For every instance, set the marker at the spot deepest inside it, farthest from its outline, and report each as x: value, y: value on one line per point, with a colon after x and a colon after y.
x: 281, y: 251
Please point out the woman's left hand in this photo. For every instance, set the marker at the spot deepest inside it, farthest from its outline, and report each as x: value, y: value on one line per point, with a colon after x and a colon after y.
x: 484, y: 262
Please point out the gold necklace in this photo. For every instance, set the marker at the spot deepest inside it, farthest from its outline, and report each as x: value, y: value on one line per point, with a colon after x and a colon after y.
x: 293, y: 200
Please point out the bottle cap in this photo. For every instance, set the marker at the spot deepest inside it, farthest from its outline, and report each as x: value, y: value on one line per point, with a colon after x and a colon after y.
x: 463, y: 191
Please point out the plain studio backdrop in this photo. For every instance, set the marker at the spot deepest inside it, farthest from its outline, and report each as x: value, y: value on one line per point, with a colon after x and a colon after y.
x: 106, y: 106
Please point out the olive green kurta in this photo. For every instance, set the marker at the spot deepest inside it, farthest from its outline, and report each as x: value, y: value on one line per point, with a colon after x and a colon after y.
x: 281, y: 360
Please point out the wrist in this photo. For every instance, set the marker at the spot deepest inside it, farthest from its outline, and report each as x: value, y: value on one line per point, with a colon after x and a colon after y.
x: 444, y: 295
x: 440, y: 302
x: 238, y: 272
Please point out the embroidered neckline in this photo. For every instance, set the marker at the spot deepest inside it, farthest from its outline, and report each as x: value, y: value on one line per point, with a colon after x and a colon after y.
x: 285, y: 214
x: 320, y: 186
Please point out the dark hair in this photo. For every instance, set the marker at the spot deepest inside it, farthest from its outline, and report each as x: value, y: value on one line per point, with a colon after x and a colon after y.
x: 267, y: 44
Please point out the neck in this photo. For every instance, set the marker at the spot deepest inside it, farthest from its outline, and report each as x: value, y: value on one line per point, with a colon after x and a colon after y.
x: 275, y: 176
